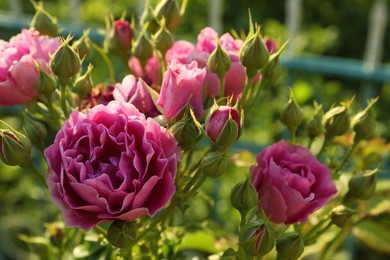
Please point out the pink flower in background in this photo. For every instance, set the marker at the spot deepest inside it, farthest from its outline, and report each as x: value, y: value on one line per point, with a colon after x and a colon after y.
x: 124, y: 34
x: 181, y: 83
x: 206, y: 41
x: 134, y: 91
x: 18, y: 73
x: 111, y: 163
x: 272, y: 45
x: 291, y: 183
x: 216, y: 124
x: 180, y: 50
x: 152, y: 70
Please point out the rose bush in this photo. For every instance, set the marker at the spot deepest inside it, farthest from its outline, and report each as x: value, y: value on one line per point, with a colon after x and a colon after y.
x: 18, y: 72
x: 111, y: 163
x: 290, y: 182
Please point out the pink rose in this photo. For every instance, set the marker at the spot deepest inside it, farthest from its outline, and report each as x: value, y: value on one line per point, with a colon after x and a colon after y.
x: 206, y: 40
x: 134, y: 91
x: 18, y: 73
x: 291, y: 183
x: 152, y: 70
x: 111, y: 163
x: 181, y: 83
x: 123, y: 34
x: 217, y: 125
x: 180, y: 50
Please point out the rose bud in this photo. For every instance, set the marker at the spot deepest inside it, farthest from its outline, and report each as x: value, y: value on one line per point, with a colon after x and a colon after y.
x: 46, y: 82
x: 163, y: 39
x: 290, y: 246
x: 43, y: 22
x: 81, y: 46
x: 148, y: 17
x: 15, y: 146
x: 214, y: 164
x: 123, y: 34
x: 35, y: 130
x: 363, y: 123
x: 254, y: 54
x: 219, y: 62
x: 185, y: 132
x: 292, y: 114
x: 342, y: 216
x: 257, y: 238
x: 362, y: 186
x: 122, y: 234
x: 244, y: 196
x: 83, y: 85
x: 143, y: 48
x: 337, y: 120
x: 65, y: 62
x: 223, y: 126
x: 170, y: 10
x: 315, y: 127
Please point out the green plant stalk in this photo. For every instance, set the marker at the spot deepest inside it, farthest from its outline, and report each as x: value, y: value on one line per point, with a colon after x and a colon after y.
x: 293, y: 134
x: 64, y: 106
x: 162, y: 63
x: 111, y: 71
x: 346, y: 158
x: 258, y: 88
x: 53, y: 112
x: 101, y: 231
x: 244, y: 95
x: 221, y: 86
x: 35, y: 173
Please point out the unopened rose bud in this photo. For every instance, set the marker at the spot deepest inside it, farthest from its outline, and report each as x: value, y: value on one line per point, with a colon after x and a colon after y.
x: 219, y: 61
x: 292, y: 114
x: 254, y: 54
x: 185, y: 132
x: 223, y: 126
x: 364, y: 122
x: 65, y: 62
x: 315, y: 127
x: 290, y: 246
x: 342, y: 216
x: 43, y: 22
x: 163, y: 39
x: 257, y: 238
x: 148, y: 18
x: 244, y: 196
x: 81, y: 46
x: 15, y: 147
x: 214, y: 164
x: 35, y: 130
x: 337, y: 121
x: 46, y: 83
x: 170, y: 10
x: 123, y: 34
x: 83, y: 85
x: 362, y: 186
x: 122, y: 234
x: 143, y: 48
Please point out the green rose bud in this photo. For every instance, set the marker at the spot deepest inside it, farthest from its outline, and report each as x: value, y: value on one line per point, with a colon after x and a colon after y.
x: 35, y: 130
x: 257, y: 238
x: 185, y: 132
x: 170, y: 10
x: 315, y: 127
x: 122, y: 234
x: 254, y: 54
x: 219, y: 61
x: 337, y: 120
x: 289, y: 246
x: 342, y: 216
x: 148, y: 18
x: 81, y: 46
x: 43, y: 22
x: 363, y: 123
x: 163, y: 39
x: 292, y: 114
x: 65, y: 62
x: 46, y: 83
x: 362, y: 186
x: 214, y: 164
x: 15, y: 147
x: 83, y: 85
x: 244, y: 196
x: 143, y: 47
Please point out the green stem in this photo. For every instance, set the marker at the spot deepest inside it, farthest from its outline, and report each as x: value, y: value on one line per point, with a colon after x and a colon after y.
x: 244, y: 95
x: 346, y: 158
x: 101, y: 230
x: 293, y: 133
x: 221, y: 87
x: 258, y: 87
x: 53, y: 113
x: 64, y: 106
x: 111, y: 71
x: 310, y: 143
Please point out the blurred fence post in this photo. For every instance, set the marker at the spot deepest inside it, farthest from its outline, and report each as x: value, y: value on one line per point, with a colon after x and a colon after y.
x: 378, y: 18
x: 15, y: 8
x: 293, y: 20
x: 215, y: 15
x: 140, y: 7
x: 75, y: 12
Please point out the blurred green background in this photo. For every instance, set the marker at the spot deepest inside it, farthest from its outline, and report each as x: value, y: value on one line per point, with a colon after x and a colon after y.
x: 327, y: 28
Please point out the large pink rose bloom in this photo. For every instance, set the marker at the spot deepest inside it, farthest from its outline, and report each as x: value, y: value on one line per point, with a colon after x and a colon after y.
x: 291, y: 183
x: 134, y: 91
x: 111, y: 163
x: 182, y: 83
x: 18, y: 73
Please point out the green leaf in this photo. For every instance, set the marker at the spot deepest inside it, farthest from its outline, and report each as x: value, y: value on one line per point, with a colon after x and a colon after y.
x: 374, y: 233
